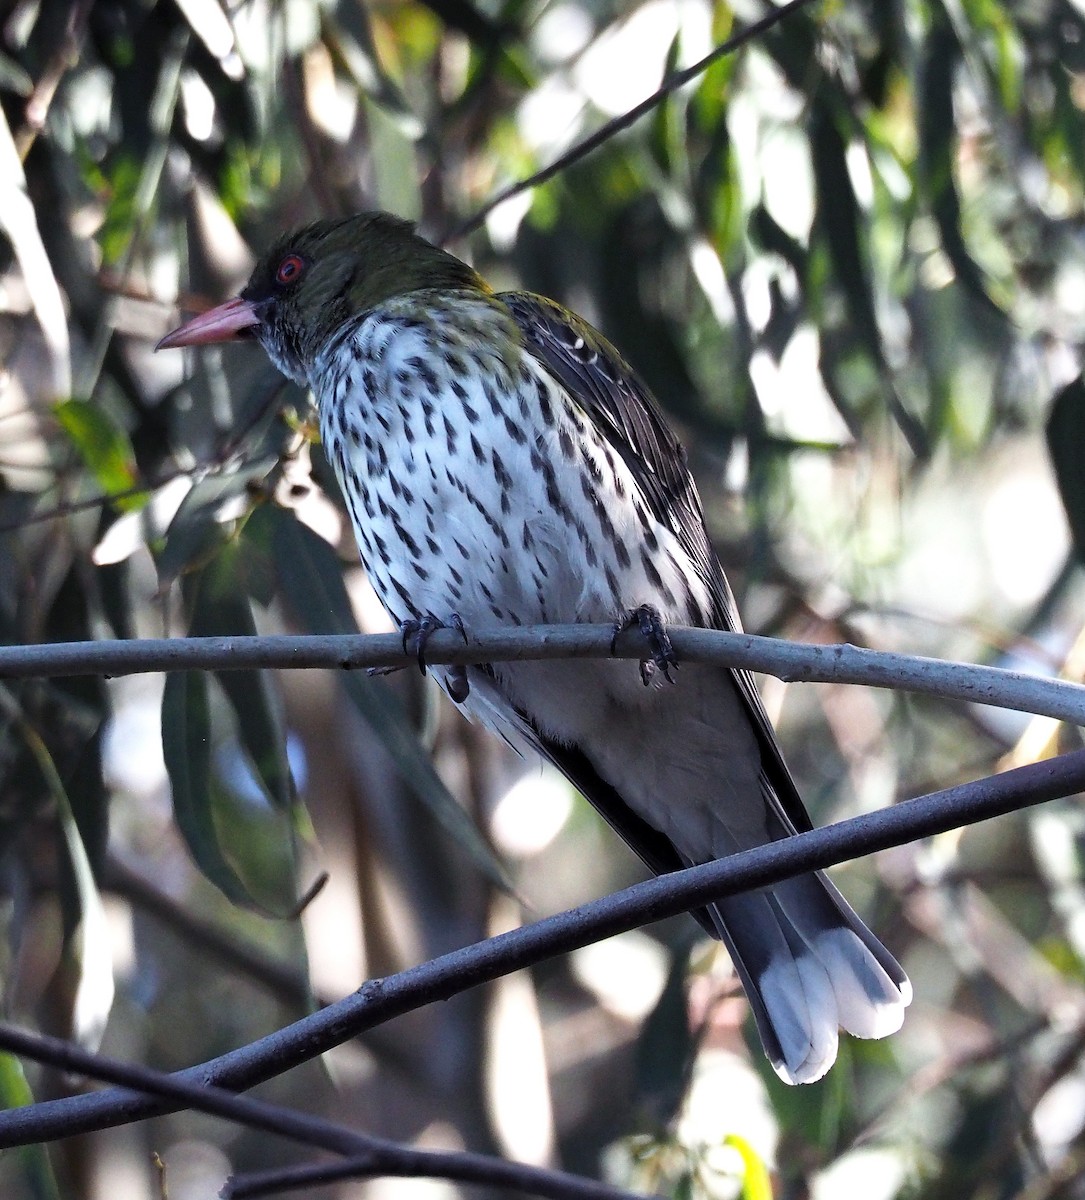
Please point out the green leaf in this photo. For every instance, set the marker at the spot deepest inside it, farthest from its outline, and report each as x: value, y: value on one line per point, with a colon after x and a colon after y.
x: 15, y: 1093
x: 220, y: 608
x: 667, y: 143
x: 937, y: 149
x: 756, y: 1183
x: 718, y: 194
x: 104, y: 447
x: 708, y: 105
x: 186, y: 748
x: 312, y: 583
x: 1065, y: 438
x: 122, y: 187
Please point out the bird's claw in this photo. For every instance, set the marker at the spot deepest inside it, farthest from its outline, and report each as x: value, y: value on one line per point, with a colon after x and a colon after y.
x: 416, y: 633
x: 662, y: 657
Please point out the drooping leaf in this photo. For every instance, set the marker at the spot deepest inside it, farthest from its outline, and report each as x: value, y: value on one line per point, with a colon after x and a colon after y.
x: 1065, y: 438
x: 88, y: 946
x: 665, y: 1050
x: 756, y: 1182
x: 937, y: 146
x: 840, y: 219
x: 220, y: 608
x: 186, y: 748
x: 122, y: 187
x: 718, y: 193
x: 709, y: 102
x: 104, y: 447
x: 86, y: 965
x: 667, y: 143
x: 15, y: 1093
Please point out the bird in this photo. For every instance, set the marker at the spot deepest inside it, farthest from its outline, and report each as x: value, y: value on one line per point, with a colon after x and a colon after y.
x: 503, y: 465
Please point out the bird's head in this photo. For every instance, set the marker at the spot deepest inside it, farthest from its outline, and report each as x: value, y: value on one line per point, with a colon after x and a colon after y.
x: 314, y: 281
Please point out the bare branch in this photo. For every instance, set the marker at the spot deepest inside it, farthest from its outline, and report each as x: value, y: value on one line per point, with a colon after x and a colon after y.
x: 462, y: 1166
x: 370, y: 1156
x: 790, y: 661
x: 380, y: 1000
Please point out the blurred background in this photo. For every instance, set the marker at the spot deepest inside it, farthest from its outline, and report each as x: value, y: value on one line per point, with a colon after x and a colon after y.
x: 850, y: 261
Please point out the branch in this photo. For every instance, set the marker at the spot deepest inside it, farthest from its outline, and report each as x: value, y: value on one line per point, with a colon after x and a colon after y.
x: 790, y: 661
x: 380, y: 1000
x: 605, y: 132
x: 369, y: 1155
x: 453, y: 1165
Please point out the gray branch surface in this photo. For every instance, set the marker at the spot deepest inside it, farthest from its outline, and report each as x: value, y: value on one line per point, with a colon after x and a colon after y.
x: 790, y: 661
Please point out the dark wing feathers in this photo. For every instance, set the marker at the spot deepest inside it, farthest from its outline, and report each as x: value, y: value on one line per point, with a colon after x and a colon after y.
x: 593, y: 372
x: 622, y: 408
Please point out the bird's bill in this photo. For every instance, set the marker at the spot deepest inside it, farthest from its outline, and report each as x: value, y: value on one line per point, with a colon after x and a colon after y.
x: 225, y: 323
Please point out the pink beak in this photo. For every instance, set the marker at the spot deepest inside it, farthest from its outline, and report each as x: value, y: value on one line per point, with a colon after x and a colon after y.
x: 225, y: 323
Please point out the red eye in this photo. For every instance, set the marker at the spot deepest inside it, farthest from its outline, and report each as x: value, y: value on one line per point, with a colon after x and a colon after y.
x: 290, y: 269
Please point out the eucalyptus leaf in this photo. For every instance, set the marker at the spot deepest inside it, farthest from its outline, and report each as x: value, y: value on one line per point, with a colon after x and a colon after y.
x: 220, y: 607
x: 186, y: 748
x: 937, y: 149
x: 756, y: 1182
x: 665, y: 1049
x: 15, y: 1092
x: 104, y: 447
x: 840, y: 220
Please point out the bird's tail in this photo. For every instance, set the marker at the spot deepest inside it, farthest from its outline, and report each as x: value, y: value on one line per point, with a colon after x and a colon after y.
x: 810, y: 967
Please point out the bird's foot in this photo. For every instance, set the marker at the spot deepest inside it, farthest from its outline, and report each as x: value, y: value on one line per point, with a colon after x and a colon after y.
x: 417, y: 632
x: 646, y: 618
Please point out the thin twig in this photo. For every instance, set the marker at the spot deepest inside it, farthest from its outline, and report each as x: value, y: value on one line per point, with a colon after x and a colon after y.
x: 64, y: 56
x: 790, y: 661
x: 380, y: 1000
x: 68, y: 507
x: 605, y: 132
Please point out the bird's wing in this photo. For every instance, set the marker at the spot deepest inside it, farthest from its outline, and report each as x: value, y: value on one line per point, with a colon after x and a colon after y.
x: 592, y: 371
x: 492, y: 707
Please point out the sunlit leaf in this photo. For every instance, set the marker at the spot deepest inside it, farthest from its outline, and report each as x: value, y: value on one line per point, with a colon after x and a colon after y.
x: 756, y: 1181
x: 86, y: 964
x: 709, y: 101
x: 122, y: 183
x: 667, y: 142
x: 15, y: 1093
x: 104, y: 447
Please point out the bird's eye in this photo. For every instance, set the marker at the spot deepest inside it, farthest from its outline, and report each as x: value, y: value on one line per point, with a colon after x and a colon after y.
x: 290, y: 269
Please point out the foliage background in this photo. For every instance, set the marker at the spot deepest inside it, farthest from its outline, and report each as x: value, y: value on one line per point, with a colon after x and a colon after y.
x: 848, y: 259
